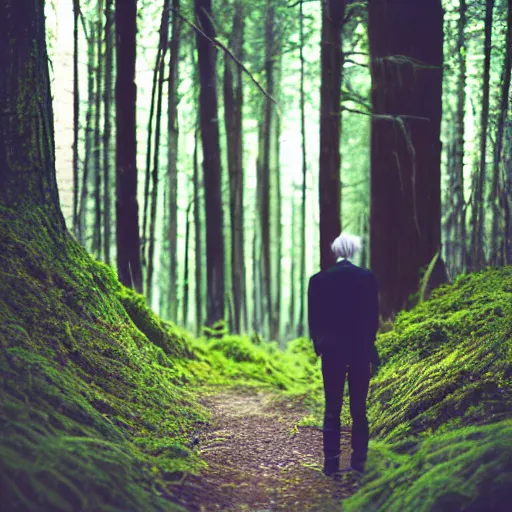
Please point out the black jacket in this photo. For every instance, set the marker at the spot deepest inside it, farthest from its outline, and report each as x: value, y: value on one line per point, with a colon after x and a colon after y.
x: 343, y: 311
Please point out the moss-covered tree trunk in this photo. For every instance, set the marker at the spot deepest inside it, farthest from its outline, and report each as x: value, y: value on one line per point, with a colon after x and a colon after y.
x: 27, y: 149
x: 406, y: 47
x: 127, y: 207
x: 208, y: 110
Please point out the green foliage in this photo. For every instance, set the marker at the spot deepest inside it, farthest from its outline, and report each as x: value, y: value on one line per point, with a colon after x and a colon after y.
x: 93, y: 415
x: 440, y: 407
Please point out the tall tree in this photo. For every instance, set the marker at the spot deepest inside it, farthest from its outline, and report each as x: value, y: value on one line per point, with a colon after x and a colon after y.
x: 233, y: 104
x: 76, y: 116
x: 478, y: 215
x: 497, y: 195
x: 172, y: 157
x: 459, y: 219
x: 27, y: 148
x: 507, y: 164
x: 208, y: 110
x: 302, y: 294
x: 406, y: 49
x: 198, y: 236
x: 127, y: 208
x: 98, y: 164
x: 333, y: 12
x: 107, y: 129
x: 164, y: 36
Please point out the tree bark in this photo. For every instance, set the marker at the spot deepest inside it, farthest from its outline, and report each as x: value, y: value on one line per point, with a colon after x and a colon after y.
x: 478, y: 216
x: 27, y: 148
x: 84, y: 192
x: 406, y: 49
x: 302, y: 294
x: 164, y: 36
x: 127, y: 208
x: 233, y: 104
x: 497, y: 196
x: 208, y: 110
x: 186, y: 266
x: 172, y: 157
x: 107, y: 130
x: 333, y: 12
x: 198, y: 238
x: 458, y: 192
x: 98, y: 167
x: 76, y: 117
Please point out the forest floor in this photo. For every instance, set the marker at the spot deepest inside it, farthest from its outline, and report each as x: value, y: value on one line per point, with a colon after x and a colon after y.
x: 260, y: 460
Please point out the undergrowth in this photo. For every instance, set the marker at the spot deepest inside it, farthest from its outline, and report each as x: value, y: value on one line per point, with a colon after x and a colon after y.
x: 93, y: 415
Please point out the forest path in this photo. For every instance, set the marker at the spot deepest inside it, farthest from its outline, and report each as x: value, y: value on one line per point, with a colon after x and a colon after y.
x: 259, y: 460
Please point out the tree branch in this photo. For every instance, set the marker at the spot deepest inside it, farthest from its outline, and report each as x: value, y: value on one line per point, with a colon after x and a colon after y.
x: 225, y: 49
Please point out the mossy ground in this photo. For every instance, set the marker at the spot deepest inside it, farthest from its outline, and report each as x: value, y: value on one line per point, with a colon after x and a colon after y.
x: 99, y: 409
x: 98, y: 402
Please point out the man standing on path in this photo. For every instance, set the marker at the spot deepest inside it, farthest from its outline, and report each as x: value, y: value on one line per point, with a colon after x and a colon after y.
x: 343, y: 310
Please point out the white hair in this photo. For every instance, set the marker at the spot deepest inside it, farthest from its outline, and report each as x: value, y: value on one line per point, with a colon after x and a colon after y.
x: 345, y: 245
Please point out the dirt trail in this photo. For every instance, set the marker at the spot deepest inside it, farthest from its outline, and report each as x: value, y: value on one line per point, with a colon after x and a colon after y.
x: 258, y: 460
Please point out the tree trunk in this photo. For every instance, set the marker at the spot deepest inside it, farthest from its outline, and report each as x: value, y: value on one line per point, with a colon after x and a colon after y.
x: 333, y: 12
x: 84, y: 193
x: 186, y: 265
x: 406, y: 48
x: 233, y: 103
x: 76, y: 117
x: 211, y: 164
x: 478, y: 216
x: 275, y: 209
x: 198, y: 238
x: 498, y: 196
x: 458, y: 192
x: 107, y: 131
x: 302, y: 294
x: 172, y: 158
x: 164, y: 36
x: 265, y: 174
x: 27, y: 149
x: 98, y: 168
x: 127, y: 208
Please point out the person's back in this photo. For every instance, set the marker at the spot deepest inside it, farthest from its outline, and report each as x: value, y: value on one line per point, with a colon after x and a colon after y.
x: 343, y: 320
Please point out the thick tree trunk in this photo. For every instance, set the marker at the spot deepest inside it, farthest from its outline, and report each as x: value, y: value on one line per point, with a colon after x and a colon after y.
x: 208, y: 110
x: 497, y: 196
x: 478, y: 215
x: 27, y: 149
x: 233, y: 103
x: 172, y: 158
x: 127, y: 208
x: 164, y: 36
x: 333, y: 12
x: 406, y: 47
x: 107, y: 131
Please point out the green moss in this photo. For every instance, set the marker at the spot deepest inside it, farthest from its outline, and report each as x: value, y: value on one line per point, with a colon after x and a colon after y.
x: 93, y: 411
x: 440, y: 407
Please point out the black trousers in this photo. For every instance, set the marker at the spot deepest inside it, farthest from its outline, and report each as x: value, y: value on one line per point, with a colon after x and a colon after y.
x: 335, y: 371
